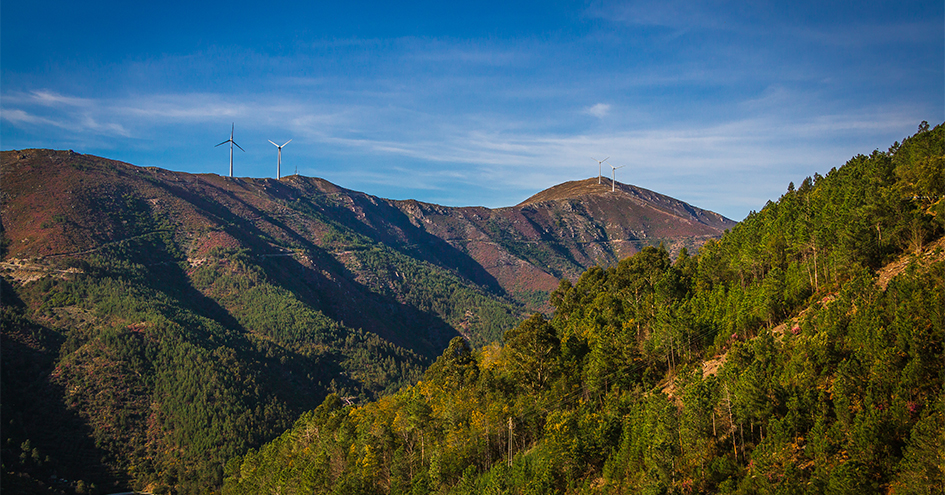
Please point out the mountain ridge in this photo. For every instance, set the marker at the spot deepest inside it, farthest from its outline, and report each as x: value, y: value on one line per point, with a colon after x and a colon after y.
x: 457, y: 225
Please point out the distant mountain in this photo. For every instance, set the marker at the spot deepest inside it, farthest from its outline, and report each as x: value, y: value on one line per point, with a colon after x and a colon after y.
x: 61, y: 204
x: 562, y: 231
x: 166, y: 321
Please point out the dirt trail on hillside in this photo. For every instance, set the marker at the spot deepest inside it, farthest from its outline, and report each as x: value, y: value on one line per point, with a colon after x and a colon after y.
x: 932, y: 253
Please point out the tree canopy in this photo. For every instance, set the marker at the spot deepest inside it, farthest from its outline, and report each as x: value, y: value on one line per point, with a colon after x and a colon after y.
x: 790, y: 356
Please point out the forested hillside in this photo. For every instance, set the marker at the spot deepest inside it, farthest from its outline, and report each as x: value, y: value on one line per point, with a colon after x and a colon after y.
x: 801, y: 353
x: 155, y: 324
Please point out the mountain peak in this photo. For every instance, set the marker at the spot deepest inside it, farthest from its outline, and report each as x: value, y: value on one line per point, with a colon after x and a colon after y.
x: 572, y: 190
x: 622, y: 197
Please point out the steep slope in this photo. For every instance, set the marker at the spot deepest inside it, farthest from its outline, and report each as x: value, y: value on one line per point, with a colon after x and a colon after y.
x: 560, y: 232
x: 322, y: 240
x: 171, y: 320
x: 60, y: 204
x: 827, y: 305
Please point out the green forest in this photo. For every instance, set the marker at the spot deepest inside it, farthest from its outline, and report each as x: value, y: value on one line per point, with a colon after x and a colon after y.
x: 800, y: 353
x: 166, y: 382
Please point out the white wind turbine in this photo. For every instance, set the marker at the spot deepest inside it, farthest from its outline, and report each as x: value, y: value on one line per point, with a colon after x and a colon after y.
x: 613, y: 179
x: 600, y: 164
x: 231, y: 147
x: 279, y: 162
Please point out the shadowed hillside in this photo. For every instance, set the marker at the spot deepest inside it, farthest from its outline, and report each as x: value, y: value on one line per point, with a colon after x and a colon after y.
x: 173, y: 320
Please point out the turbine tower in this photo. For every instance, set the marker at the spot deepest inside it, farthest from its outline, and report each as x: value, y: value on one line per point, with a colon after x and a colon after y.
x: 279, y: 162
x: 613, y: 179
x: 231, y: 147
x: 600, y: 164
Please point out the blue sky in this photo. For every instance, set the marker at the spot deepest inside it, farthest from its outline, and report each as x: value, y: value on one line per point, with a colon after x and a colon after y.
x: 716, y: 103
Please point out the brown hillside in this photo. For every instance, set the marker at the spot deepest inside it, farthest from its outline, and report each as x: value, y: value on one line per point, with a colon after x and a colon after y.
x: 58, y: 203
x: 589, y: 188
x: 570, y: 190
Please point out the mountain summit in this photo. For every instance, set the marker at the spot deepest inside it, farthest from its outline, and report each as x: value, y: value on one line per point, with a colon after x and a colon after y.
x: 562, y: 231
x: 658, y: 205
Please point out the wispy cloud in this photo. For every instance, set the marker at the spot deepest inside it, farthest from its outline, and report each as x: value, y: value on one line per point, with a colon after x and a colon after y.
x: 697, y: 100
x: 77, y: 123
x: 199, y: 107
x: 50, y: 98
x: 677, y: 14
x: 107, y: 128
x: 18, y: 117
x: 599, y: 110
x: 730, y: 166
x: 466, y: 53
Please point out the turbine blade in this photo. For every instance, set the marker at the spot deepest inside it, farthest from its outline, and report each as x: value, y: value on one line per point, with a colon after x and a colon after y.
x: 224, y: 142
x: 605, y: 159
x: 287, y: 142
x: 274, y: 144
x: 238, y: 146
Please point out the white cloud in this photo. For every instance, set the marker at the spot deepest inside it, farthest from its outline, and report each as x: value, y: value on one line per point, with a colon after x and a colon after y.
x: 49, y: 98
x: 599, y: 110
x: 180, y: 108
x: 45, y: 98
x: 89, y: 123
x: 679, y: 14
x: 47, y: 109
x: 17, y: 116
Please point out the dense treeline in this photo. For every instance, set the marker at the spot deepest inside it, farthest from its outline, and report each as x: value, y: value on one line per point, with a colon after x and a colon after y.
x: 169, y: 370
x: 777, y: 360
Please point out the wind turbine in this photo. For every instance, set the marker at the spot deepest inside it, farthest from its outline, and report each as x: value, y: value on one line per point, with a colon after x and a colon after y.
x: 279, y: 162
x: 599, y: 166
x: 613, y: 180
x: 231, y: 147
